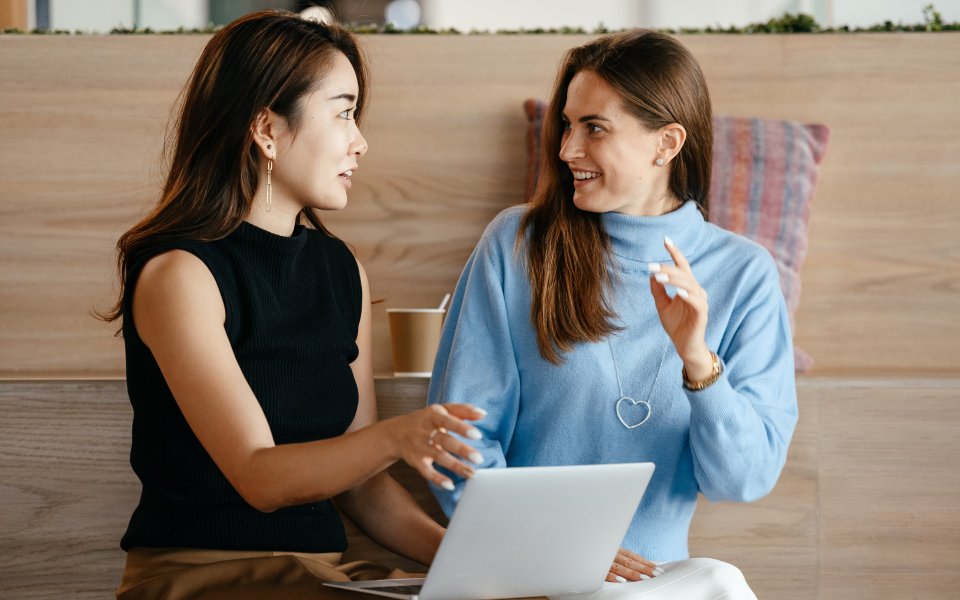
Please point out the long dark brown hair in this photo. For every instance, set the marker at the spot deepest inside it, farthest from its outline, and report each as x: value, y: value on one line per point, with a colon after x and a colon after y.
x: 568, y: 250
x: 269, y: 59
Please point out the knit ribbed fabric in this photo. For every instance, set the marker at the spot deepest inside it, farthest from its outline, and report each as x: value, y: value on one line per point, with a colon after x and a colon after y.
x: 728, y: 441
x: 293, y: 307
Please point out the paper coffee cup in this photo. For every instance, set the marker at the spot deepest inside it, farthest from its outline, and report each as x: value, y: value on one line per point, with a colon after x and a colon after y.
x: 414, y: 338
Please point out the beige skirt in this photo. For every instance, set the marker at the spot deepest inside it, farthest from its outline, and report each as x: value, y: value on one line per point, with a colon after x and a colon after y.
x: 186, y: 573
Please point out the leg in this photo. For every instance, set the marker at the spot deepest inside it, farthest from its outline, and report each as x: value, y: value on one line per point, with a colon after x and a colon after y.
x: 691, y: 579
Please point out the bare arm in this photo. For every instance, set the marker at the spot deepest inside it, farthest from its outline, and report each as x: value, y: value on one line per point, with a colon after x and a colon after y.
x: 179, y: 315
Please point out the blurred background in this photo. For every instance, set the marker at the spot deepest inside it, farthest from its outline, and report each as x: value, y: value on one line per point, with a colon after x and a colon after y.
x: 101, y: 16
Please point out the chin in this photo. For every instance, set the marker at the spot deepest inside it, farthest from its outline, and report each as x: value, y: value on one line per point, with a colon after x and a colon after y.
x: 587, y: 204
x: 330, y: 203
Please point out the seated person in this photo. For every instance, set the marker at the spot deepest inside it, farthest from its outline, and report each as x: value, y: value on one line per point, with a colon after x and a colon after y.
x: 247, y: 333
x: 582, y: 322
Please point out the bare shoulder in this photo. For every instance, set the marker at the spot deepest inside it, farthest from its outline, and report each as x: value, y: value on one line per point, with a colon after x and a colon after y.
x: 173, y: 288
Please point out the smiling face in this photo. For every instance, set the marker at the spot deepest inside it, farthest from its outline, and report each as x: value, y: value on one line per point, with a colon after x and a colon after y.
x: 313, y: 165
x: 611, y: 154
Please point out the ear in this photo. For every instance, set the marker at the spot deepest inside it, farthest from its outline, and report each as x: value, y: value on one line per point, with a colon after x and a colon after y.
x: 672, y: 137
x: 265, y: 129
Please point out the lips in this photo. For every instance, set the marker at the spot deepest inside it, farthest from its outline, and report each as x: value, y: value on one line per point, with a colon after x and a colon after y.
x: 345, y: 177
x: 583, y: 177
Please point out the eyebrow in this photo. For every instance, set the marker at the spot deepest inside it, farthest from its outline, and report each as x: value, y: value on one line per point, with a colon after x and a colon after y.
x: 349, y: 97
x: 586, y: 118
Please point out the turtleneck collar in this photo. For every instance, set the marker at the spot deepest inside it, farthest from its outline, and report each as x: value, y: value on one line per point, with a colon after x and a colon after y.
x: 640, y: 239
x: 270, y: 242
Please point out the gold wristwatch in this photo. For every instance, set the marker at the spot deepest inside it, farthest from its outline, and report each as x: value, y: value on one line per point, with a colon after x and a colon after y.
x: 716, y: 372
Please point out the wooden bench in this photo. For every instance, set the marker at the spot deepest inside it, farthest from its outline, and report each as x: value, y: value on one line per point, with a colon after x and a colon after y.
x: 866, y: 506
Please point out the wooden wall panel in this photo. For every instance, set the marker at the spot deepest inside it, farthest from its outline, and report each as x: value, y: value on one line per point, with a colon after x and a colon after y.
x: 80, y: 129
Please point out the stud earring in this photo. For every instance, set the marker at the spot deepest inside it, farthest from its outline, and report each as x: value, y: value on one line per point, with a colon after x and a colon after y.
x: 269, y: 183
x: 659, y: 162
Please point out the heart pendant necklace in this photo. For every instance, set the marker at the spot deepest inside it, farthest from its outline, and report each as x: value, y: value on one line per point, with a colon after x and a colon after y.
x: 626, y: 406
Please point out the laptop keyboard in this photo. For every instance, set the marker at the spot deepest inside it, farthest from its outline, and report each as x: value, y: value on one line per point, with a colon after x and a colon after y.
x: 401, y: 589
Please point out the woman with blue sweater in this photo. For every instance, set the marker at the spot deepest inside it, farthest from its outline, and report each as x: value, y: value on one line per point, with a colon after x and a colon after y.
x: 608, y: 321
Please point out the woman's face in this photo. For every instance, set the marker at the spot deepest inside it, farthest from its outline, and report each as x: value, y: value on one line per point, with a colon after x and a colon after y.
x: 313, y: 166
x: 611, y: 154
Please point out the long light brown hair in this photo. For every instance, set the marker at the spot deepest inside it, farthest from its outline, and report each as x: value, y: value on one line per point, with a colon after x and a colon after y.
x: 568, y: 250
x: 268, y: 59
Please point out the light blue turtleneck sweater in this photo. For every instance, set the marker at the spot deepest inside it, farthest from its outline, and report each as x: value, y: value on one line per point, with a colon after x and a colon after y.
x: 728, y: 441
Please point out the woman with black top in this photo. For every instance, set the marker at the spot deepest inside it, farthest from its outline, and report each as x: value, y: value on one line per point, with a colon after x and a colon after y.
x: 247, y: 332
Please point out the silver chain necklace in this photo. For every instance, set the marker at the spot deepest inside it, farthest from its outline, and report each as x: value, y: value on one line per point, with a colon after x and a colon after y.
x: 625, y: 402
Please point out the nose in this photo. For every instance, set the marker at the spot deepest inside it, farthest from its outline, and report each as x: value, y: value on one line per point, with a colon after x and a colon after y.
x: 359, y: 146
x: 570, y: 147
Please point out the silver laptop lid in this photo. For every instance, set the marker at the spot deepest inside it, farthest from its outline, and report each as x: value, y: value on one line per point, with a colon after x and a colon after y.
x: 534, y: 531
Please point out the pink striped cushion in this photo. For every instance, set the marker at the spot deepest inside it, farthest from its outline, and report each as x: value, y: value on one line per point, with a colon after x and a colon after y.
x: 764, y: 175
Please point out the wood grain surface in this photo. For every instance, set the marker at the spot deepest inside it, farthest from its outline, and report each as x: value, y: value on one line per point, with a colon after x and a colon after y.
x: 82, y: 117
x: 866, y: 506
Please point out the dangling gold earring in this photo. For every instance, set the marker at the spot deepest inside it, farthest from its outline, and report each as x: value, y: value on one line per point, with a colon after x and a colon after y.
x: 269, y: 182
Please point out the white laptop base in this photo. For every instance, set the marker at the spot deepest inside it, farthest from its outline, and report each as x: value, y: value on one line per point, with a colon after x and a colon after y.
x: 529, y: 531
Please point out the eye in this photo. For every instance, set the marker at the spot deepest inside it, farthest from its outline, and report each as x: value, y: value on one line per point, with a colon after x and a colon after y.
x: 593, y: 128
x: 347, y: 113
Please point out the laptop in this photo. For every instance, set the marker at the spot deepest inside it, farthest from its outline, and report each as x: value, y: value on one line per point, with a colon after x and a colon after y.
x: 528, y: 531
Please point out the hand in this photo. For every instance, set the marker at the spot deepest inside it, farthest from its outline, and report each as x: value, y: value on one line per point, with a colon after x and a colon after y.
x: 423, y: 438
x: 684, y: 317
x: 629, y: 566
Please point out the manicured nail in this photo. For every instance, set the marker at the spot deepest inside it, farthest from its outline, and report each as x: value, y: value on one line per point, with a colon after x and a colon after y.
x: 658, y: 571
x: 653, y: 267
x: 682, y: 293
x: 474, y: 434
x: 668, y: 241
x: 447, y: 485
x: 644, y: 576
x: 619, y: 579
x: 661, y: 277
x: 482, y: 412
x: 476, y: 458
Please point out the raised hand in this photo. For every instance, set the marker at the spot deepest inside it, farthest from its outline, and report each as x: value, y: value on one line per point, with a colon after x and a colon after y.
x: 684, y: 317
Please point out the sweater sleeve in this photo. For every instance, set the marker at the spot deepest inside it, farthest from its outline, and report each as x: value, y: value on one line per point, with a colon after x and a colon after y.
x: 475, y: 361
x: 740, y: 427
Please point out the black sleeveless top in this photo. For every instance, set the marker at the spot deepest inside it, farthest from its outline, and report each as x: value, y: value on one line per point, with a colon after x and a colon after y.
x: 293, y: 307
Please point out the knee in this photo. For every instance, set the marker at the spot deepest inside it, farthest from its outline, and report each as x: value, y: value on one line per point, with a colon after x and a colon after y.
x: 726, y: 579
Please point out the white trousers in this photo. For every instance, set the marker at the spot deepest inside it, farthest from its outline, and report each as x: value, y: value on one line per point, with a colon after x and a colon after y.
x: 691, y: 579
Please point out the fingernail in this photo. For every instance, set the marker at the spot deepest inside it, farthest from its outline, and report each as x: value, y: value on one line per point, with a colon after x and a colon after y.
x: 661, y: 277
x: 653, y: 267
x: 682, y: 292
x: 447, y: 485
x: 658, y: 571
x: 668, y: 241
x: 476, y: 458
x: 482, y: 412
x: 644, y: 576
x: 474, y: 434
x: 619, y: 579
